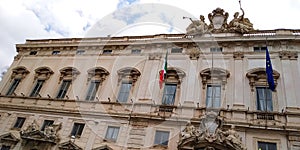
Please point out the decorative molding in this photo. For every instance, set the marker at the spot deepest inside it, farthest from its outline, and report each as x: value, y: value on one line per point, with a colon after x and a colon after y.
x: 19, y: 72
x: 68, y: 73
x: 217, y: 75
x: 154, y: 56
x: 210, y: 135
x: 128, y: 74
x: 43, y: 73
x: 69, y: 145
x: 288, y: 55
x: 194, y: 53
x: 257, y: 76
x: 238, y: 55
x: 97, y: 73
x: 174, y: 75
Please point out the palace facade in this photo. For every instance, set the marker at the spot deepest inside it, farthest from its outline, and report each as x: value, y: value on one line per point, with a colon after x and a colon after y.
x: 103, y: 93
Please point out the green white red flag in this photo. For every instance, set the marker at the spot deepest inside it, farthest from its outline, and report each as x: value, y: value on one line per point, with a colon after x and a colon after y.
x: 163, y: 71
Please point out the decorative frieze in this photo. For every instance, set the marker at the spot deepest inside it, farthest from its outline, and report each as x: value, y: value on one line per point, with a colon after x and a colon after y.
x: 288, y: 55
x: 238, y: 55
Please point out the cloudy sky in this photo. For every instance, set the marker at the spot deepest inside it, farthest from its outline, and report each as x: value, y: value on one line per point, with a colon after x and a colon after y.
x: 39, y: 19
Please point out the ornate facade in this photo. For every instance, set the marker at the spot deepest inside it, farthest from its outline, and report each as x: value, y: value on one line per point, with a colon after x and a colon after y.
x: 103, y: 93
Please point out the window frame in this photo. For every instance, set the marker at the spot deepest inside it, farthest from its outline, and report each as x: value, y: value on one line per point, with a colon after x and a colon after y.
x: 212, y: 102
x: 77, y: 129
x: 267, y: 100
x: 216, y: 49
x: 107, y: 51
x: 136, y: 51
x: 18, y: 124
x: 55, y: 52
x: 267, y: 144
x: 161, y: 141
x: 114, y: 135
x: 46, y: 123
x: 125, y: 92
x: 92, y: 90
x: 173, y: 94
x: 37, y: 88
x: 176, y: 50
x: 63, y: 90
x: 13, y: 86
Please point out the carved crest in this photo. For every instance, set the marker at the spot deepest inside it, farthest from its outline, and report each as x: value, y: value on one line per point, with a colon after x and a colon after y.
x: 218, y: 19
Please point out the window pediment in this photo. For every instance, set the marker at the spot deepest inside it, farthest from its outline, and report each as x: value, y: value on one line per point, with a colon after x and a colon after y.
x: 98, y: 73
x: 19, y: 72
x: 214, y: 75
x: 174, y: 75
x: 68, y: 73
x: 128, y: 74
x: 257, y: 77
x: 43, y: 73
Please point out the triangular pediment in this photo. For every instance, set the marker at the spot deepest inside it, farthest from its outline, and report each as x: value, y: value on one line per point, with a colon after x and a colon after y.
x: 37, y: 136
x: 69, y: 146
x: 9, y: 137
x: 104, y: 147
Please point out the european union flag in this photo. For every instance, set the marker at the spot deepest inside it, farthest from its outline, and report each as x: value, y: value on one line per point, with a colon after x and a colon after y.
x: 269, y: 71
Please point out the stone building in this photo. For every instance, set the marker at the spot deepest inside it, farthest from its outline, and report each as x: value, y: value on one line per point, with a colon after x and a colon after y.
x: 103, y: 93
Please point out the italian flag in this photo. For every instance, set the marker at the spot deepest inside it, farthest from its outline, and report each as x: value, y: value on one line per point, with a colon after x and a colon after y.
x: 163, y: 71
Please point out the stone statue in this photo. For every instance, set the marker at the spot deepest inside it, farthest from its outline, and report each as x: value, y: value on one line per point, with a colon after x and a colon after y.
x: 189, y: 131
x: 197, y: 26
x: 240, y: 24
x: 233, y: 139
x: 32, y: 127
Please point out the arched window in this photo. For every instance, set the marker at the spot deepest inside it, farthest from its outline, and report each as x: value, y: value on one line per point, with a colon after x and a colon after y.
x: 214, y: 80
x: 96, y: 76
x: 67, y: 75
x: 41, y: 75
x: 258, y: 83
x: 126, y: 81
x: 172, y: 84
x: 18, y: 74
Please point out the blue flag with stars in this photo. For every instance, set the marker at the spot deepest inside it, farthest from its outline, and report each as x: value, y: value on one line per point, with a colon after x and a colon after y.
x: 269, y: 71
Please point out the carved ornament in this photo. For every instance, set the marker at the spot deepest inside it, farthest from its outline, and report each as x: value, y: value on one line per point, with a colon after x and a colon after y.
x: 43, y: 73
x: 211, y: 75
x: 68, y: 73
x: 19, y: 72
x: 97, y: 73
x: 128, y: 74
x: 257, y: 77
x: 288, y: 55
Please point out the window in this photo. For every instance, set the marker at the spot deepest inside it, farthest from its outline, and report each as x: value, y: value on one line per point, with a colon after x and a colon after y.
x: 260, y: 49
x: 169, y: 94
x: 216, y: 49
x: 55, y: 52
x: 77, y: 129
x: 112, y: 133
x: 213, y: 96
x: 135, y: 51
x: 266, y: 146
x: 107, y: 51
x: 94, y: 85
x: 4, y: 147
x: 63, y: 89
x: 124, y: 92
x: 176, y: 50
x: 264, y: 99
x: 13, y: 86
x: 46, y: 124
x: 161, y: 138
x: 33, y: 53
x: 19, y: 123
x: 36, y: 90
x: 80, y: 52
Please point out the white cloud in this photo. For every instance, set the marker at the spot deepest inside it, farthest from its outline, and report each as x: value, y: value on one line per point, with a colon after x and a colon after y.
x: 37, y: 19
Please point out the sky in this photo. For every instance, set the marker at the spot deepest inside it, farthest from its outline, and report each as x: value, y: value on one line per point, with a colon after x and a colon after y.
x: 45, y: 19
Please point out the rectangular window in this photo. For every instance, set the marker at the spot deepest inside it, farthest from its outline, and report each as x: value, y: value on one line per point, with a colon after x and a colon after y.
x: 4, y: 147
x: 77, y: 129
x: 33, y: 53
x: 135, y: 51
x: 112, y: 133
x: 80, y: 52
x: 260, y: 49
x: 46, y: 124
x: 13, y: 86
x: 266, y: 146
x: 94, y: 85
x: 36, y: 90
x: 55, y: 52
x: 213, y: 96
x: 169, y: 94
x: 63, y: 89
x: 264, y: 99
x: 19, y: 123
x: 176, y: 50
x: 216, y: 49
x: 161, y: 138
x: 107, y: 51
x: 124, y: 92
